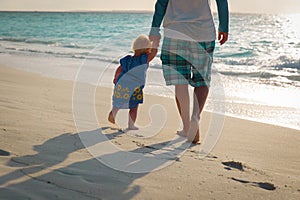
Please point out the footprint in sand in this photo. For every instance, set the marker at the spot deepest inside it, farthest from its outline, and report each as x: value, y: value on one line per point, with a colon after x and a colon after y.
x: 262, y: 185
x: 238, y: 165
x: 139, y: 144
x: 233, y: 164
x: 4, y: 153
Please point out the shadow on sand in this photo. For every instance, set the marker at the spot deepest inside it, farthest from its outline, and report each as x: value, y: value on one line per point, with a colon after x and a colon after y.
x: 44, y: 176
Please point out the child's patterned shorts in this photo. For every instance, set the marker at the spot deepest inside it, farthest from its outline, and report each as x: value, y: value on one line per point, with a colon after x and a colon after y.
x: 187, y: 62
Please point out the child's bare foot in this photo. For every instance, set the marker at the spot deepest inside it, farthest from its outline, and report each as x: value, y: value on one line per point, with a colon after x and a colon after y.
x: 132, y: 128
x: 193, y: 134
x: 111, y: 118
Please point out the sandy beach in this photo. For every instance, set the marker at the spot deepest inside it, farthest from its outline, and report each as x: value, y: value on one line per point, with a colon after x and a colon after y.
x: 43, y: 157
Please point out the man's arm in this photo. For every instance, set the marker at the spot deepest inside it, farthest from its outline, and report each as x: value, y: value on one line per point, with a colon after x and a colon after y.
x: 223, y: 14
x: 159, y: 13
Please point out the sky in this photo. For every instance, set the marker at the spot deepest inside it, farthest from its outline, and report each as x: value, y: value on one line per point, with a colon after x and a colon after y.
x: 241, y: 6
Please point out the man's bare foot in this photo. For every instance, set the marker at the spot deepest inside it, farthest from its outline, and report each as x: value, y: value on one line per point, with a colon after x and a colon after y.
x: 196, y: 139
x: 132, y: 128
x: 111, y: 118
x: 182, y: 133
x: 193, y: 134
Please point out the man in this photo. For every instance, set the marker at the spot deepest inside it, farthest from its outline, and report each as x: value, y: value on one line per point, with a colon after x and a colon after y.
x: 187, y: 52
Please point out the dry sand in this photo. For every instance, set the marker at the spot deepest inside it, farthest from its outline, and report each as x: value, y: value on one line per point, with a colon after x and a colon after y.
x: 42, y: 156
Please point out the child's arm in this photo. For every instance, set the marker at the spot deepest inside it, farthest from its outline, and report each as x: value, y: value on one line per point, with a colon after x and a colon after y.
x: 117, y: 74
x: 152, y: 54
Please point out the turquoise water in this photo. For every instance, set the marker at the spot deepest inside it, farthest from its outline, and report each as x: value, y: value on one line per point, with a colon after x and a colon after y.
x: 260, y: 46
x: 259, y: 66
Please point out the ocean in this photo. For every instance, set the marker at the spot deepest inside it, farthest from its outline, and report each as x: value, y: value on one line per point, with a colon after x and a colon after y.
x: 256, y: 74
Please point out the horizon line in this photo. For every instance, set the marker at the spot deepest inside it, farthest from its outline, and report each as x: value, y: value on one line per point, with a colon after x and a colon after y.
x: 120, y: 11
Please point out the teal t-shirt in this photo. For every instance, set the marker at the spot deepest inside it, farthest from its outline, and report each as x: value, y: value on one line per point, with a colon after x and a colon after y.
x: 189, y: 13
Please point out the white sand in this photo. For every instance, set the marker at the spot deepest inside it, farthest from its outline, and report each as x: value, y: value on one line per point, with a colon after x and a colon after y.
x: 48, y: 161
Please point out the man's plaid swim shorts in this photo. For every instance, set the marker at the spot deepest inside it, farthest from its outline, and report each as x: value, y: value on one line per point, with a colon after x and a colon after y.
x: 187, y: 62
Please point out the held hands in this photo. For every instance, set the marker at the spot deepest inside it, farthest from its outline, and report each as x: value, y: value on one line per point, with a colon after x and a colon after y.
x: 222, y: 37
x: 155, y: 40
x: 155, y: 44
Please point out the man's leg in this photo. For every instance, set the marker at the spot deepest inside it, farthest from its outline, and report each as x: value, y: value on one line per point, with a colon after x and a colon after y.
x: 200, y: 96
x: 183, y: 105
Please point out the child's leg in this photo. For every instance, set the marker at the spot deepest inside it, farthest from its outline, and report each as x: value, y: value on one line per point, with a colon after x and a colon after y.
x: 112, y: 114
x: 132, y: 118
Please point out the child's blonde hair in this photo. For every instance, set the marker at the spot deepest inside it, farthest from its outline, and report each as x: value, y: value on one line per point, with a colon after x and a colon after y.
x: 142, y: 44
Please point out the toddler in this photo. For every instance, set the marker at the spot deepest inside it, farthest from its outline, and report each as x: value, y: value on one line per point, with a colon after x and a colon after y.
x: 130, y: 80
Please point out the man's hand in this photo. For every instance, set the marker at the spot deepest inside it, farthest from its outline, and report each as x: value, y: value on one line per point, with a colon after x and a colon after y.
x: 222, y: 37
